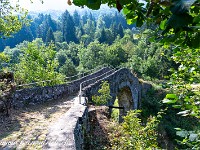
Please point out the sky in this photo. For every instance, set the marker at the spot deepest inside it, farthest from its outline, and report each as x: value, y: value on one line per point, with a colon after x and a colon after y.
x: 47, y: 5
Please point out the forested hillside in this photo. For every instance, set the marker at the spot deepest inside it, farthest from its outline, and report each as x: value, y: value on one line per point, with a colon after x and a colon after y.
x: 157, y: 41
x: 81, y: 42
x: 75, y: 27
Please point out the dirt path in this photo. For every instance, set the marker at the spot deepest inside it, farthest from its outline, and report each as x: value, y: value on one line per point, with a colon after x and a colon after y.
x: 27, y: 129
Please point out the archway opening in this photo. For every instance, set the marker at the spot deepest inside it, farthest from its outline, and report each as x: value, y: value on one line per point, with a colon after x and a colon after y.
x: 125, y: 101
x: 122, y: 104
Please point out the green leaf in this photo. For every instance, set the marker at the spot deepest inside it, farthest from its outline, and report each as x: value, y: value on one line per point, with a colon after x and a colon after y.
x: 129, y: 21
x: 163, y: 24
x: 178, y: 129
x: 168, y: 101
x: 80, y: 2
x: 94, y: 4
x: 171, y: 96
x: 176, y: 106
x: 126, y: 11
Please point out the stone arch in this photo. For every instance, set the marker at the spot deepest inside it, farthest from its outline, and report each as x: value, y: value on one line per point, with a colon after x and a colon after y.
x: 125, y: 100
x: 133, y: 90
x: 122, y: 82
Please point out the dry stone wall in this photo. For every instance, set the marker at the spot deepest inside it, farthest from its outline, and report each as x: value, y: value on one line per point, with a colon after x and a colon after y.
x: 37, y: 95
x: 7, y: 88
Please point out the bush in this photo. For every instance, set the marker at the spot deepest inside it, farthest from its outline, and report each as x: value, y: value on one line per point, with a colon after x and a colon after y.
x: 104, y: 94
x: 131, y: 134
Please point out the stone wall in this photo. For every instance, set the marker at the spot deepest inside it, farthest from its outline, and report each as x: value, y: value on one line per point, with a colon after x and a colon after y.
x: 118, y: 80
x: 69, y: 131
x: 42, y: 94
x: 7, y: 88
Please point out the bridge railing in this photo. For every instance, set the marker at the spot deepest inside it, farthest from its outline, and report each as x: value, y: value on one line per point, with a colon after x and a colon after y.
x: 66, y: 80
x: 92, y: 80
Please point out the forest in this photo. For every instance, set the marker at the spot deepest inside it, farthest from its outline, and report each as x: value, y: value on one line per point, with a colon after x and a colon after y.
x: 80, y: 43
x: 159, y: 43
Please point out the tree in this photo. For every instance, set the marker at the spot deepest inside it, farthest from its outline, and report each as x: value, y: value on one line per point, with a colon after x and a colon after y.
x: 177, y: 18
x: 68, y: 69
x: 68, y: 28
x: 1, y: 45
x: 3, y: 59
x: 10, y: 23
x: 84, y: 18
x: 72, y: 52
x: 178, y: 22
x: 50, y: 37
x: 51, y: 23
x: 89, y: 30
x: 115, y: 55
x: 58, y: 36
x: 120, y: 30
x: 133, y: 134
x: 39, y: 32
x: 114, y: 29
x: 61, y: 56
x: 104, y: 94
x: 76, y: 18
x: 24, y: 34
x: 33, y: 27
x: 37, y: 63
x: 14, y: 53
x: 100, y: 23
x: 92, y: 56
x: 103, y: 37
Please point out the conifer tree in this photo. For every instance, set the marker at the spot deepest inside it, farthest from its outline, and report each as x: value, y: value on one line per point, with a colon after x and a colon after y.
x: 51, y: 23
x: 120, y: 30
x: 68, y: 28
x: 76, y: 18
x: 102, y: 38
x: 50, y: 37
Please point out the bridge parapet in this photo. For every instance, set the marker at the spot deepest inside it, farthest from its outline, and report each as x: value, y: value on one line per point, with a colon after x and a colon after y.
x: 41, y: 94
x: 117, y: 80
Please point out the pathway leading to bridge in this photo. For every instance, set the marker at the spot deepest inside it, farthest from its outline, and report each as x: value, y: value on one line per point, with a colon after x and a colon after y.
x: 27, y: 128
x: 62, y: 123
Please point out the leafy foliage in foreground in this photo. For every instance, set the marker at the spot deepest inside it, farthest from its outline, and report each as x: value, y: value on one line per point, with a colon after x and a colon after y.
x: 185, y: 90
x: 179, y: 22
x: 10, y: 23
x: 131, y: 134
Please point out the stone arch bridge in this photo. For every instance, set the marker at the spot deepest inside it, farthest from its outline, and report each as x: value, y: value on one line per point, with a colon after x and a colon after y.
x: 123, y: 84
x: 72, y: 126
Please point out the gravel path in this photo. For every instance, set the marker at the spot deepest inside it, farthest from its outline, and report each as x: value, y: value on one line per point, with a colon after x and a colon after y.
x: 27, y: 128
